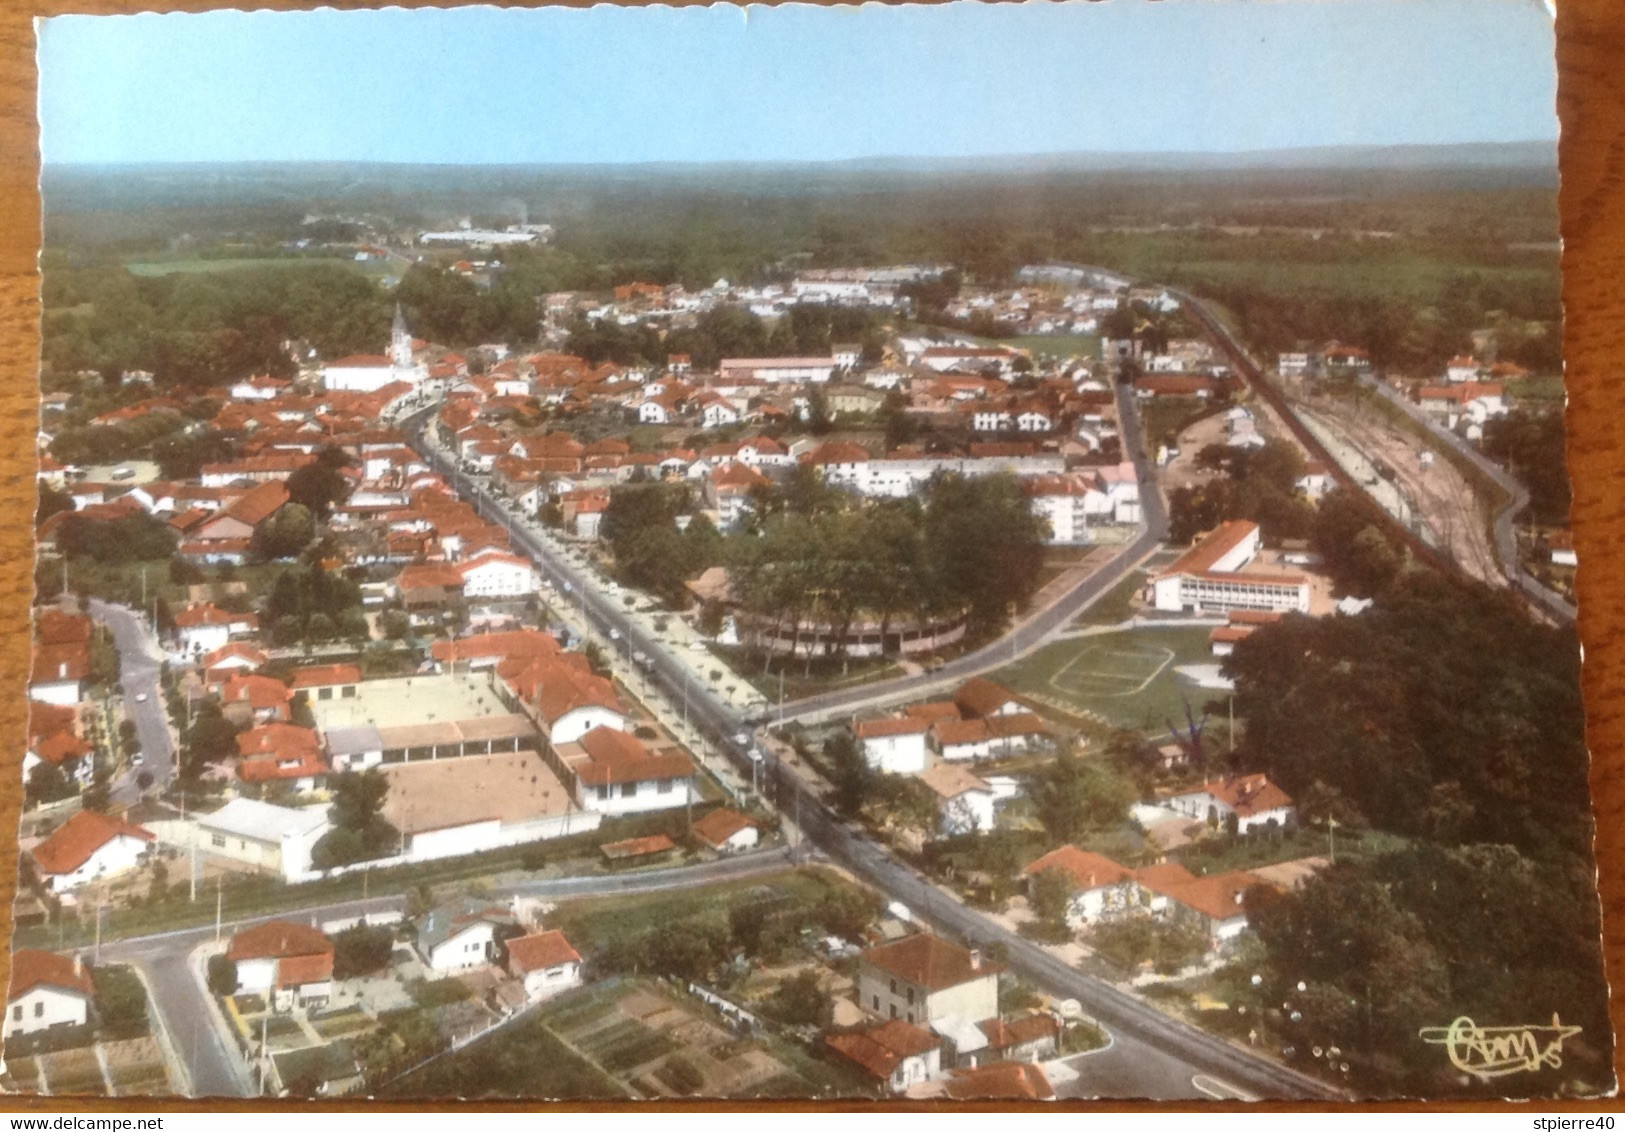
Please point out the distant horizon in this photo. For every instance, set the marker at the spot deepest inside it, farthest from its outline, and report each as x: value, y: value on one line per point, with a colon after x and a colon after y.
x: 1133, y: 156
x: 791, y: 84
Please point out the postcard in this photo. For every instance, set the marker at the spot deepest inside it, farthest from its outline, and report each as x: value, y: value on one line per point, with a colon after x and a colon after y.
x: 953, y: 551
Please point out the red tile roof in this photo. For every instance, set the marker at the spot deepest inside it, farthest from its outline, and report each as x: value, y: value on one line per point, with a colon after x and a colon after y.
x: 326, y: 675
x: 1199, y: 559
x: 78, y: 839
x: 981, y: 697
x: 259, y: 692
x: 1002, y: 1080
x: 32, y: 968
x: 541, y: 951
x: 278, y: 939
x: 929, y: 961
x: 881, y: 1050
x: 638, y: 847
x: 300, y: 970
x: 1087, y: 870
x: 717, y: 826
x: 615, y: 757
x: 881, y: 728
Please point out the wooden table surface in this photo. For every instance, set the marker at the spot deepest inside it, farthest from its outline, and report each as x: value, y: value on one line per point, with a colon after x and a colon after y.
x: 1591, y: 104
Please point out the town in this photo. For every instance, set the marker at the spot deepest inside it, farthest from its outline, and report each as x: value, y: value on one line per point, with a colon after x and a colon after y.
x: 861, y: 681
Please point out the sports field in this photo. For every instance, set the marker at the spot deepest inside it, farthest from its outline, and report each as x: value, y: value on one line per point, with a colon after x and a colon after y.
x: 1127, y: 678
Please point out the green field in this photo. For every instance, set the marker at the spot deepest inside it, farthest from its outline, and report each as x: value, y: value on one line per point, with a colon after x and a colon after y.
x: 1537, y: 388
x: 201, y: 266
x: 1127, y: 678
x: 1057, y: 345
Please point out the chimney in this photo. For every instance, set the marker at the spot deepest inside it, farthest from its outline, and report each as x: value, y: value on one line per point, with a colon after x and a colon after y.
x: 975, y: 959
x: 78, y: 964
x: 62, y: 670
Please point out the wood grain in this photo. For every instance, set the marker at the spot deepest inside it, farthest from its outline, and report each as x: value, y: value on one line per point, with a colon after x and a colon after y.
x: 1591, y: 103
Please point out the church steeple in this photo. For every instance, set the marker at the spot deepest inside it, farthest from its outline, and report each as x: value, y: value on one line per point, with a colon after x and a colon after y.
x: 400, y: 346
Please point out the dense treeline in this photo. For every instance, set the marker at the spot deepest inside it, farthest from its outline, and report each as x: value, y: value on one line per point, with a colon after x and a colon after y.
x: 1446, y: 716
x: 1259, y: 484
x: 198, y: 330
x: 816, y: 553
x: 1530, y: 442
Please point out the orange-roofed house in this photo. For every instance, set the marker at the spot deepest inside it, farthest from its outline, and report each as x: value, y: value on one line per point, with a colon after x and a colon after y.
x: 727, y: 831
x: 1101, y: 888
x: 894, y: 745
x: 289, y: 963
x: 1252, y: 798
x: 546, y: 962
x: 90, y: 846
x: 898, y: 1054
x: 615, y: 772
x: 327, y: 681
x: 234, y: 658
x: 1000, y: 1081
x: 982, y: 699
x: 205, y: 628
x: 569, y: 700
x: 488, y: 650
x: 249, y: 698
x: 47, y: 991
x: 925, y: 978
x: 1217, y: 903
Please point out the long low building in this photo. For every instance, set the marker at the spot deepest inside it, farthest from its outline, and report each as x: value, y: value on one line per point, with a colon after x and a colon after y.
x: 1212, y: 576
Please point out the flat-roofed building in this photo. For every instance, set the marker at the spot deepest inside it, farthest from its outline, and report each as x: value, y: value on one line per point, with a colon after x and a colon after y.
x: 422, y: 717
x: 275, y: 839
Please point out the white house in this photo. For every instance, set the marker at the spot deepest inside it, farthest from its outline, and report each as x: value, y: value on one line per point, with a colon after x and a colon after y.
x: 897, y: 1053
x: 289, y: 963
x: 616, y: 773
x: 1101, y: 888
x: 964, y: 801
x: 1252, y: 798
x: 493, y: 573
x: 727, y: 831
x: 775, y: 370
x: 90, y: 846
x: 202, y: 628
x: 1463, y: 369
x: 463, y: 935
x: 47, y: 990
x: 546, y: 962
x: 277, y: 839
x: 894, y: 746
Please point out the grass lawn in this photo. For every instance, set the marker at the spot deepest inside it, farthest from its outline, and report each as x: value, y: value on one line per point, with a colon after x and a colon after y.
x: 1257, y: 850
x: 1112, y: 607
x: 1126, y: 678
x: 1548, y: 388
x: 1056, y: 345
x: 202, y: 266
x: 591, y: 922
x: 1163, y: 417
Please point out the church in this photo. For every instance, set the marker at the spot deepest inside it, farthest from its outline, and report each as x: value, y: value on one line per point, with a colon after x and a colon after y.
x: 367, y: 373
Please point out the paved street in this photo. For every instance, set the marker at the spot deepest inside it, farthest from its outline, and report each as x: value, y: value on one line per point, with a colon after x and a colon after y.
x: 1192, y: 1051
x: 189, y: 1018
x: 139, y: 659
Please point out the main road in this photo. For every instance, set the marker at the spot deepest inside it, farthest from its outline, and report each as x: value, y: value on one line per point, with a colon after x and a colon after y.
x: 139, y: 661
x: 1137, y: 1023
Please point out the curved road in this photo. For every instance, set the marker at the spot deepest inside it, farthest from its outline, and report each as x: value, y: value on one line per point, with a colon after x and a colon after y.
x: 198, y: 1037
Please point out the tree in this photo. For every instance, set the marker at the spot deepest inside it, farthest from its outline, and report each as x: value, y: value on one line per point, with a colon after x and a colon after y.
x: 987, y: 545
x: 800, y: 1000
x: 222, y: 975
x: 395, y: 624
x: 286, y: 533
x: 48, y: 783
x: 1050, y: 896
x: 1074, y: 795
x: 121, y: 1002
x: 853, y: 777
x: 361, y: 950
x: 321, y: 483
x: 360, y: 832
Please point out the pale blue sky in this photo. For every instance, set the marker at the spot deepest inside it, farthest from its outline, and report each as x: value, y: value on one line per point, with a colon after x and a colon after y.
x: 475, y: 85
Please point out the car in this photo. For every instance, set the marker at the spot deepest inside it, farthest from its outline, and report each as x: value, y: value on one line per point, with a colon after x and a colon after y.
x: 141, y: 698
